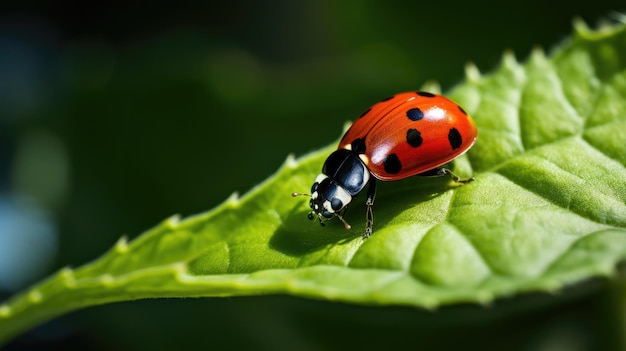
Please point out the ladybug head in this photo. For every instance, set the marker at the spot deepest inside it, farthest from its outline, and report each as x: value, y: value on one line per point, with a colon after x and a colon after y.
x: 328, y: 199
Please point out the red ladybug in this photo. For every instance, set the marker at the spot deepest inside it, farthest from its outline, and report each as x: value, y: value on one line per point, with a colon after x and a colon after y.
x: 408, y: 134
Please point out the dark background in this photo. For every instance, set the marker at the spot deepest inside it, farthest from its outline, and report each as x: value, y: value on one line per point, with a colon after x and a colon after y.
x: 116, y: 116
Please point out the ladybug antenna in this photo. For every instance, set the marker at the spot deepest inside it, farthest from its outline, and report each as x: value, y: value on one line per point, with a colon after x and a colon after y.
x: 300, y: 194
x: 343, y: 221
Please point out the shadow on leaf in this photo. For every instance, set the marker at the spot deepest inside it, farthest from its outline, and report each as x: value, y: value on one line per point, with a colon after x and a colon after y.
x: 298, y: 236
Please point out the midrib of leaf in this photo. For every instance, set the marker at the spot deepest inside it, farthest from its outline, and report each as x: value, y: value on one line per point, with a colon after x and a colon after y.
x: 441, y: 245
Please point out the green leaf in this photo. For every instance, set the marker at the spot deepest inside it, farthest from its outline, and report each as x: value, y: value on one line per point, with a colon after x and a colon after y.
x: 548, y: 208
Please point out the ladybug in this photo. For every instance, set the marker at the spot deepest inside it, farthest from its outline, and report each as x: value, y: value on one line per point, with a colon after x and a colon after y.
x: 413, y: 133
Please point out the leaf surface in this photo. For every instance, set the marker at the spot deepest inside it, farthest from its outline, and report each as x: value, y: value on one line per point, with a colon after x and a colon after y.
x: 548, y: 208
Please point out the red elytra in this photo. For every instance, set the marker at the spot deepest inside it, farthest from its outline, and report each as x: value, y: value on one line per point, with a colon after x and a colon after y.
x: 411, y: 133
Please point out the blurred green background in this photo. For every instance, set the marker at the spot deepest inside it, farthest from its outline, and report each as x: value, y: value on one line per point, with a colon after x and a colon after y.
x: 116, y: 116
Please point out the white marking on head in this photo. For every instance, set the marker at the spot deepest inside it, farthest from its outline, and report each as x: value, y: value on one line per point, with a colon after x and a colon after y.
x: 328, y: 207
x: 343, y: 196
x: 320, y: 177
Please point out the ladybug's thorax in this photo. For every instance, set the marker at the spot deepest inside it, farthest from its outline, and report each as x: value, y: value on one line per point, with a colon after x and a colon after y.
x: 347, y: 168
x: 343, y: 176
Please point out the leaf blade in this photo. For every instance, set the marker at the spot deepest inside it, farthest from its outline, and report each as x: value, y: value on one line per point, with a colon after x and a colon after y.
x: 548, y: 208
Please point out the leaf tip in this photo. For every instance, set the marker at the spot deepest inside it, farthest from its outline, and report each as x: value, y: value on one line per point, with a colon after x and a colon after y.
x: 472, y: 73
x: 121, y: 246
x: 538, y: 54
x: 233, y: 199
x: 432, y: 86
x: 606, y: 26
x: 508, y: 58
x: 291, y: 161
x: 580, y: 26
x: 35, y: 296
x: 173, y: 221
x: 67, y: 276
x: 346, y: 126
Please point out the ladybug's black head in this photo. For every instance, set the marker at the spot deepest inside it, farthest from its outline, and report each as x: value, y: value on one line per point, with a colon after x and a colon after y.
x: 328, y: 199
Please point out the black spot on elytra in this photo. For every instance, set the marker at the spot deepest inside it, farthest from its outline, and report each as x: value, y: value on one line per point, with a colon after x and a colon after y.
x: 454, y: 137
x: 358, y: 145
x: 414, y: 137
x: 392, y: 164
x: 365, y: 112
x: 415, y: 114
x: 425, y: 94
x: 461, y: 109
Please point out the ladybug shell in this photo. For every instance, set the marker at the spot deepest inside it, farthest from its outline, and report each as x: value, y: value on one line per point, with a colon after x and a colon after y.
x: 410, y: 133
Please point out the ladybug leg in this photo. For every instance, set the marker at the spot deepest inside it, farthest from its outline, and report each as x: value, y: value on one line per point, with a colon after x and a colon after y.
x: 440, y: 172
x: 369, y: 215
